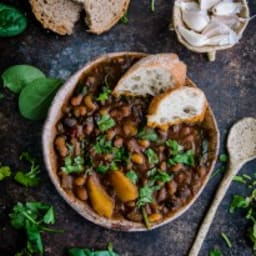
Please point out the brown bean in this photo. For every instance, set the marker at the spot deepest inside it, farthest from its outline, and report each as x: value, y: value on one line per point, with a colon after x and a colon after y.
x: 163, y: 166
x: 76, y: 101
x: 162, y: 194
x: 144, y: 143
x: 134, y: 215
x: 89, y: 128
x: 90, y: 80
x: 60, y: 143
x: 171, y: 187
x: 81, y: 193
x: 185, y: 131
x: 65, y: 109
x: 137, y: 158
x: 202, y: 171
x: 180, y: 178
x: 125, y: 111
x: 118, y: 142
x: 89, y: 103
x: 70, y: 122
x: 177, y: 167
x: 103, y: 111
x: 111, y: 133
x: 155, y: 217
x: 130, y: 128
x: 80, y: 180
x: 133, y: 145
x: 148, y: 209
x: 66, y: 181
x: 108, y: 157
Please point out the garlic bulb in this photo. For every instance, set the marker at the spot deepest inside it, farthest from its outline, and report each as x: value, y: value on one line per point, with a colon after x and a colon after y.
x: 215, y: 28
x: 207, y: 4
x: 227, y: 8
x: 193, y: 38
x: 196, y: 20
x: 187, y: 5
x: 225, y: 39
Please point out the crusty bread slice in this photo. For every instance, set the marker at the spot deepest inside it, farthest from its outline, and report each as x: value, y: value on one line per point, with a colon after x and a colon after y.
x: 56, y: 15
x: 152, y: 75
x: 185, y: 104
x: 101, y: 15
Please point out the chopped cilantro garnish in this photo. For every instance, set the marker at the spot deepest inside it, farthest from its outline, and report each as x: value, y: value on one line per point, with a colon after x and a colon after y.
x: 132, y: 175
x: 124, y: 19
x: 105, y: 123
x: 223, y: 158
x: 104, y: 94
x: 75, y: 165
x: 226, y: 239
x: 5, y: 171
x: 102, y: 145
x: 215, y: 252
x: 147, y: 134
x: 146, y: 195
x: 152, y: 156
x: 187, y: 158
x: 175, y: 148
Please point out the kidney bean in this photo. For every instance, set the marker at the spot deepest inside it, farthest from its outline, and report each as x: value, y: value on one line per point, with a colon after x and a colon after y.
x: 61, y: 147
x: 81, y: 193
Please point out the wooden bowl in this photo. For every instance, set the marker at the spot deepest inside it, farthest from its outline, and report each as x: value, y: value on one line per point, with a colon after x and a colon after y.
x: 50, y: 159
x: 210, y: 50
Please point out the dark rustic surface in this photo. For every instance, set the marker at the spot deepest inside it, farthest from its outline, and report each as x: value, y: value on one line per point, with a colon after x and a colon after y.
x: 229, y: 84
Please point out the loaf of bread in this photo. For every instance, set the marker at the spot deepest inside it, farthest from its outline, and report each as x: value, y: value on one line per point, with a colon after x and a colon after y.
x: 185, y: 104
x: 59, y: 16
x: 152, y: 75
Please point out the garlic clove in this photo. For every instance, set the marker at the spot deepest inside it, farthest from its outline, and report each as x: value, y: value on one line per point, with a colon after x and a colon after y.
x: 232, y: 21
x: 223, y: 39
x: 215, y: 28
x: 207, y: 4
x: 193, y: 38
x: 196, y: 20
x: 187, y: 5
x: 227, y: 8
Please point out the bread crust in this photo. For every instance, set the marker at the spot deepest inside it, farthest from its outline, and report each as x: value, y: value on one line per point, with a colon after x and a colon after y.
x: 157, y: 101
x: 169, y: 61
x: 49, y: 22
x: 107, y: 27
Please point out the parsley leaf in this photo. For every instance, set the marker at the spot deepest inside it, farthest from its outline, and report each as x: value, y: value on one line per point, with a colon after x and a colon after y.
x: 5, y: 171
x: 124, y: 19
x: 105, y: 123
x: 32, y: 216
x: 215, y: 252
x: 104, y: 94
x: 132, y: 175
x: 30, y: 178
x: 184, y: 158
x: 75, y: 165
x: 147, y: 134
x: 152, y: 156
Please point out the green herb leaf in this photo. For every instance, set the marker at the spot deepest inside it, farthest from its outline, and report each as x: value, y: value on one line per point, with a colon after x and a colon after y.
x: 103, y: 145
x: 15, y: 78
x: 226, y: 239
x: 152, y: 5
x: 215, y: 252
x: 223, y: 158
x: 49, y: 217
x: 132, y: 175
x: 88, y: 252
x: 105, y: 123
x: 146, y: 195
x: 147, y: 134
x: 152, y: 156
x: 218, y: 170
x: 240, y: 179
x: 175, y: 148
x: 1, y: 96
x: 37, y: 96
x: 75, y: 165
x: 12, y: 21
x: 104, y: 94
x: 239, y: 202
x: 102, y: 169
x: 124, y: 19
x: 187, y: 158
x: 5, y: 171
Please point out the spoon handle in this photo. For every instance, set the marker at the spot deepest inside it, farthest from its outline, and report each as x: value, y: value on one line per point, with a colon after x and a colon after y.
x: 203, y: 230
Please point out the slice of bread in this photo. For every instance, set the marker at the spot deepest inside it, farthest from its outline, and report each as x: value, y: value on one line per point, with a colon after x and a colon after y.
x: 152, y: 75
x: 59, y: 16
x: 101, y: 15
x: 185, y: 104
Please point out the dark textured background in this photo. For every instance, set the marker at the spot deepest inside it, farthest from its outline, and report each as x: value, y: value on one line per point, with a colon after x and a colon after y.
x: 229, y: 84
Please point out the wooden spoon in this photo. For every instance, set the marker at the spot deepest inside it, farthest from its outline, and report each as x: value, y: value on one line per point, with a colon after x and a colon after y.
x: 241, y: 146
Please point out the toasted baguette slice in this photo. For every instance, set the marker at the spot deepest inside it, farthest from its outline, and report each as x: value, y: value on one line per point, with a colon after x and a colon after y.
x: 152, y: 75
x: 101, y: 15
x: 59, y: 16
x: 185, y: 104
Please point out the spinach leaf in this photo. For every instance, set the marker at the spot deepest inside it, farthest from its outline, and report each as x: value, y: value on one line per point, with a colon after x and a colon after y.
x: 16, y: 77
x: 12, y: 21
x: 5, y: 172
x: 147, y: 134
x: 37, y: 96
x: 132, y: 175
x: 105, y: 123
x: 152, y: 156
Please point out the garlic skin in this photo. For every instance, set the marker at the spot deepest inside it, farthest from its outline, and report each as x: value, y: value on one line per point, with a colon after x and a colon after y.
x: 207, y: 4
x: 232, y: 21
x: 226, y: 8
x: 193, y: 38
x: 187, y: 5
x: 196, y: 20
